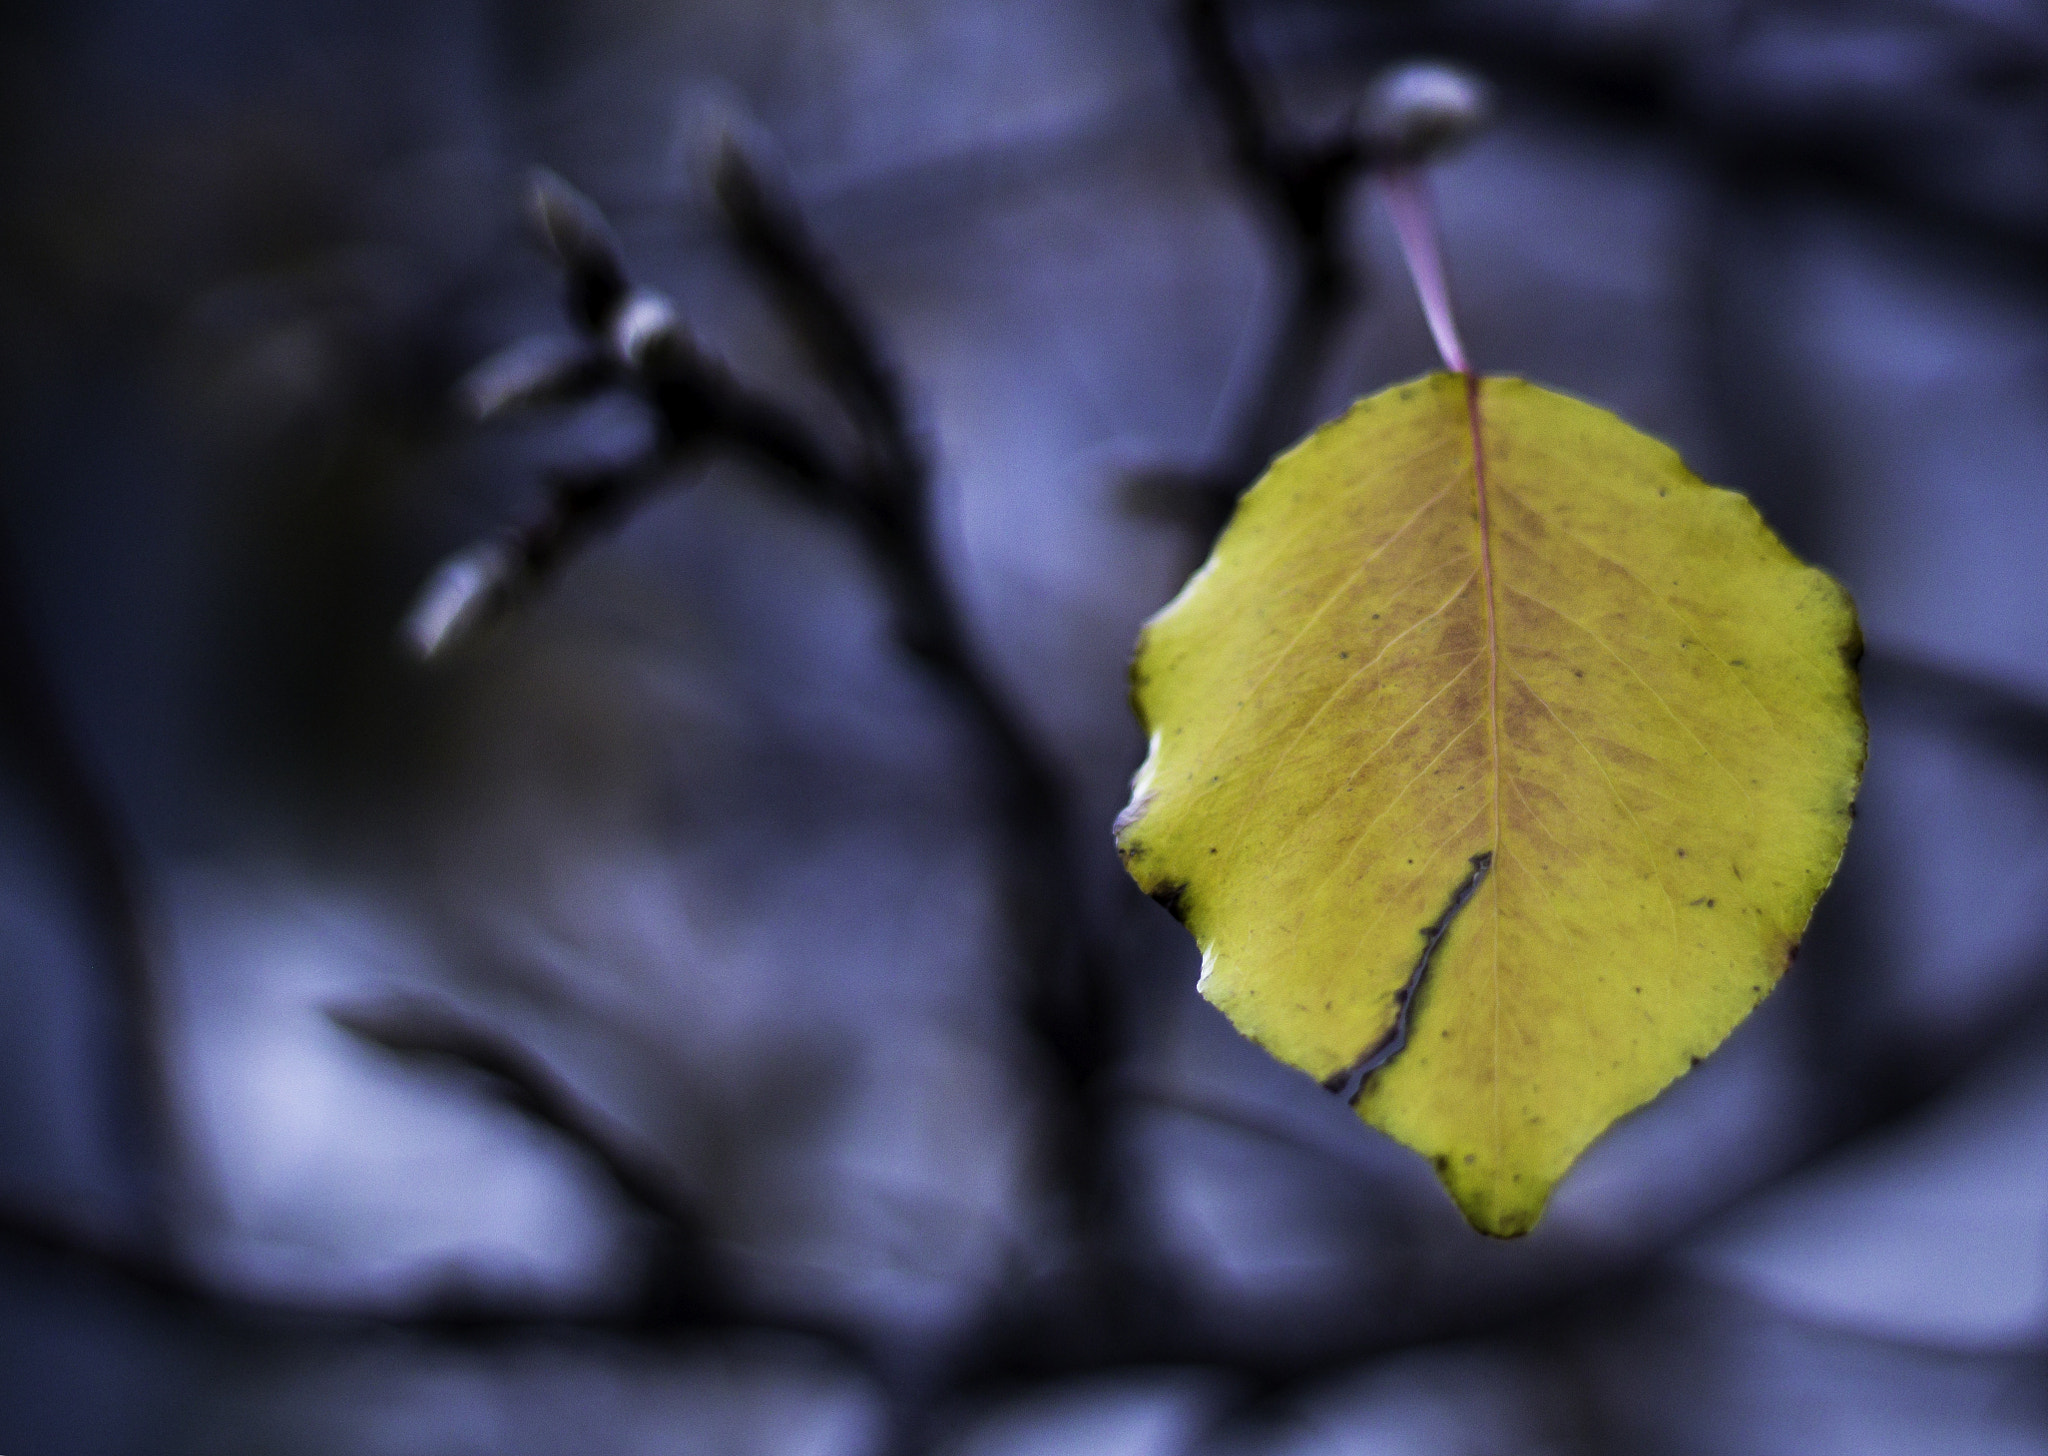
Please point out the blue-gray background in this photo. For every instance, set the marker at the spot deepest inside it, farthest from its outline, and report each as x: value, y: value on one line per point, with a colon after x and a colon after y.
x: 692, y: 830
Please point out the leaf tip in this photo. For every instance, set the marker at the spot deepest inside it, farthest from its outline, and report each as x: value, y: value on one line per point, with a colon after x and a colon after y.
x: 1500, y: 1210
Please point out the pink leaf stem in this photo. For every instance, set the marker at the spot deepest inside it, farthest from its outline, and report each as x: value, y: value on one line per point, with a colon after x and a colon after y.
x: 1414, y: 214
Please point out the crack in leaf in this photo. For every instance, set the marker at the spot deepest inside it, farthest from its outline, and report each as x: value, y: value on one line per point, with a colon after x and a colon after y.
x: 1351, y: 1081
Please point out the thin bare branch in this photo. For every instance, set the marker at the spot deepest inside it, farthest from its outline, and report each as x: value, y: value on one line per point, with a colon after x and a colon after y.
x: 1301, y: 186
x: 1410, y: 115
x: 700, y: 409
x: 1068, y: 1000
x: 415, y: 1026
x: 770, y: 234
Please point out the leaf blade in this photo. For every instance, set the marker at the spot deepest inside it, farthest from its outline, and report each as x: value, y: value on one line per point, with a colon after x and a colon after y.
x: 1508, y: 626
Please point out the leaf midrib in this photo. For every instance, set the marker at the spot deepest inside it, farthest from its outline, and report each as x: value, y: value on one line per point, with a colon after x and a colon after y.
x: 1471, y: 382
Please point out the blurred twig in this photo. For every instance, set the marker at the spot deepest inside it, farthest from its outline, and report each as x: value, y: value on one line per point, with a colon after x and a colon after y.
x: 772, y: 237
x: 32, y: 720
x: 1302, y: 184
x: 146, y: 1266
x: 688, y: 1284
x: 883, y: 496
x: 1995, y: 714
x: 1069, y: 1003
x: 632, y: 340
x: 1877, y: 1077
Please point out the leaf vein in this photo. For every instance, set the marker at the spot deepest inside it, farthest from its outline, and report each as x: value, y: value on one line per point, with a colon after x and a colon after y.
x: 1650, y: 856
x: 1337, y: 591
x: 1280, y: 761
x: 1662, y: 601
x: 1656, y: 696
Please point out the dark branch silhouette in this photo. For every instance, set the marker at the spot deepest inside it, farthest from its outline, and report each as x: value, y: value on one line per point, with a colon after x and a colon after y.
x: 687, y: 1284
x: 1302, y: 186
x: 105, y: 869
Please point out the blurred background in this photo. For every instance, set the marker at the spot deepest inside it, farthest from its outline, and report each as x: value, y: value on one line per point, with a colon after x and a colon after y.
x: 608, y: 1038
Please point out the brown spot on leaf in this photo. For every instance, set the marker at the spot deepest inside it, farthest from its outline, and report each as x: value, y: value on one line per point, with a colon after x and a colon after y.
x: 1172, y: 896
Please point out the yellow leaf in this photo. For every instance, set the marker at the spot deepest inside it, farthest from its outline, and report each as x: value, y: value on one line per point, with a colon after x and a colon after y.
x: 1497, y: 784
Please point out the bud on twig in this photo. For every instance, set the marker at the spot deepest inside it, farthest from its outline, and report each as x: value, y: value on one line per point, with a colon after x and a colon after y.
x: 584, y: 242
x: 1421, y: 111
x: 644, y: 317
x: 546, y: 369
x: 466, y: 590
